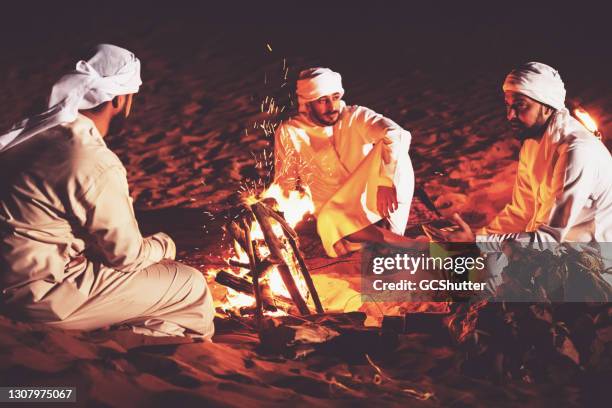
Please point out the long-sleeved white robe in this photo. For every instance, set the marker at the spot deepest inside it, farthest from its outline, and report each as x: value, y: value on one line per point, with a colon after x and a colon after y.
x: 71, y: 252
x: 342, y: 165
x: 562, y: 193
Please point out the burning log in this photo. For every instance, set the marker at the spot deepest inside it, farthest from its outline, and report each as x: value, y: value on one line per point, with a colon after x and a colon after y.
x: 238, y: 264
x: 253, y: 263
x: 235, y: 282
x: 284, y: 257
x: 262, y: 215
x: 269, y: 301
x: 237, y: 234
x: 292, y: 238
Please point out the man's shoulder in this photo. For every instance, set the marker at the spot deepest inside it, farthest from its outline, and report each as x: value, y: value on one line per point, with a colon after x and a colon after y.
x: 362, y: 109
x: 355, y: 111
x: 84, y: 154
x: 295, y: 121
x: 86, y: 149
x: 580, y: 140
x: 584, y: 149
x: 292, y: 127
x: 358, y: 109
x: 369, y: 117
x: 62, y: 158
x: 64, y: 147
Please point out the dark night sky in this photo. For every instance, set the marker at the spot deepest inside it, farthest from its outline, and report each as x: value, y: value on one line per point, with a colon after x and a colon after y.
x: 361, y: 39
x: 470, y: 29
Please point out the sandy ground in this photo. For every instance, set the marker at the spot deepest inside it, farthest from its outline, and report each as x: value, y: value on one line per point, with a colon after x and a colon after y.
x: 195, y: 137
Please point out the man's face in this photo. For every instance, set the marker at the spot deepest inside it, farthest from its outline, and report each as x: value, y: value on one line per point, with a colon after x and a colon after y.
x: 527, y: 117
x: 326, y: 109
x: 117, y: 122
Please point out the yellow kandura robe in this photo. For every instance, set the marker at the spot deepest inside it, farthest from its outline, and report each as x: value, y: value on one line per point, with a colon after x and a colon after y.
x: 343, y: 166
x: 562, y: 193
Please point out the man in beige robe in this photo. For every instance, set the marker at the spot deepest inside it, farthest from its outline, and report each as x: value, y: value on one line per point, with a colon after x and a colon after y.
x: 353, y: 160
x: 71, y: 252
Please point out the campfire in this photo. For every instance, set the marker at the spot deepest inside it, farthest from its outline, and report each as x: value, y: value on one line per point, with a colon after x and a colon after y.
x: 268, y: 274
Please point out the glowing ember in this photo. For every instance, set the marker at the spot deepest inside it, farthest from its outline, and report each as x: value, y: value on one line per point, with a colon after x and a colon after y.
x: 236, y: 300
x: 586, y: 120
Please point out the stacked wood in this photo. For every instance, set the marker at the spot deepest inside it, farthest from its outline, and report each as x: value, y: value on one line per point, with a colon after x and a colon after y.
x: 265, y: 214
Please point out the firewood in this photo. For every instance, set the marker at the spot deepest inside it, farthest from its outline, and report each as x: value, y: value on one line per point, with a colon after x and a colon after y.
x: 235, y: 282
x: 269, y: 301
x: 237, y: 233
x: 293, y: 241
x: 275, y: 246
x: 238, y: 264
x: 306, y: 274
x: 253, y: 261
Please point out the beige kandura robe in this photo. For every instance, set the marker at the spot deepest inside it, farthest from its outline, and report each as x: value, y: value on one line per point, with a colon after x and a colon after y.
x: 71, y: 252
x: 342, y: 165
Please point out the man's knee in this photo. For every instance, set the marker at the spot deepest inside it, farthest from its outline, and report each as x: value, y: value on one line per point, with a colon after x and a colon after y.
x: 199, y: 299
x: 324, y: 217
x: 194, y: 280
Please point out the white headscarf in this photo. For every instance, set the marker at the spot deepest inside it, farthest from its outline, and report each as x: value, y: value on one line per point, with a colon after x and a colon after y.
x: 314, y: 83
x: 538, y: 81
x: 112, y: 71
x: 542, y: 83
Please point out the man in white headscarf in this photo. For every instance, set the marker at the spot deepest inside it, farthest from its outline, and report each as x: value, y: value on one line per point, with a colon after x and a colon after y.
x: 563, y: 188
x: 71, y: 253
x: 354, y: 161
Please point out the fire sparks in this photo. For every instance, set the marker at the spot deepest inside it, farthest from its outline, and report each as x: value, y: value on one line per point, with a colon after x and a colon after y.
x: 293, y: 208
x: 586, y: 119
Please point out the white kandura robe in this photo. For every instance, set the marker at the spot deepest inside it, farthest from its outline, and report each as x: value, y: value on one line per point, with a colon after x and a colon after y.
x: 343, y: 167
x: 562, y: 193
x: 71, y: 252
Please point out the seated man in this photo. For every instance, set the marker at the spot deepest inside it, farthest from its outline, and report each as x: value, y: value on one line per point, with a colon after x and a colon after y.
x: 354, y: 161
x: 563, y: 189
x: 71, y: 253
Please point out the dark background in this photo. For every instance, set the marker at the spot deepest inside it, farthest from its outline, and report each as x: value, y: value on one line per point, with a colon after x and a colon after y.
x: 367, y: 37
x: 436, y: 68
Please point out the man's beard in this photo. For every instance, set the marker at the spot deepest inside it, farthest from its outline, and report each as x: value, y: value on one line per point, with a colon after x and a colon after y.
x: 523, y: 133
x: 534, y: 132
x: 325, y: 119
x: 117, y: 124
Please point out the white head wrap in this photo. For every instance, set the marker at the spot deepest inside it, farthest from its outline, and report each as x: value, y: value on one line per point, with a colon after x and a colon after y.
x: 543, y: 84
x: 112, y: 71
x: 537, y: 81
x: 314, y: 83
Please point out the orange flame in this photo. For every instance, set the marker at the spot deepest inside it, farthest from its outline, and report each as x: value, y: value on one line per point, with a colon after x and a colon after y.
x: 294, y: 208
x: 586, y: 119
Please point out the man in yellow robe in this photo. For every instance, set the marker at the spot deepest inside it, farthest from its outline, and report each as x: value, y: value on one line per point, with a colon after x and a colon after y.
x: 354, y: 161
x: 563, y: 188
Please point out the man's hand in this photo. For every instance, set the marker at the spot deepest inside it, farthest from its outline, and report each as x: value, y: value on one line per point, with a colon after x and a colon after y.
x: 464, y: 234
x: 386, y: 200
